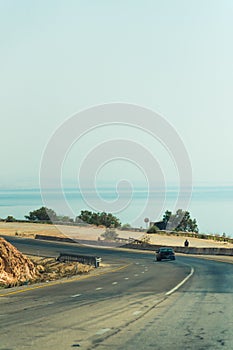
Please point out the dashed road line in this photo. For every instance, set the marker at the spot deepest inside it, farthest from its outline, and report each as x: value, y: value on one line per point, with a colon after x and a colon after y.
x: 99, y: 288
x: 51, y: 284
x: 75, y: 295
x: 114, y: 282
x: 135, y: 313
x: 102, y: 331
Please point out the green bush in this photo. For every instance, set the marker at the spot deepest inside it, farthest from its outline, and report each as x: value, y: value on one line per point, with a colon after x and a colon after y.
x: 105, y: 219
x: 153, y: 229
x: 10, y: 219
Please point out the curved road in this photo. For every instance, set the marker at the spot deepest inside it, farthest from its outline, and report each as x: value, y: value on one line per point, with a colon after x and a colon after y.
x: 128, y: 308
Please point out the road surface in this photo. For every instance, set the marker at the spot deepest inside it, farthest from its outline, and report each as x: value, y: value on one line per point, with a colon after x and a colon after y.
x: 130, y: 308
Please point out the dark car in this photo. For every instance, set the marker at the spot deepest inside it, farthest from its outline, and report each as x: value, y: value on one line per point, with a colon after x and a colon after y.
x: 165, y: 253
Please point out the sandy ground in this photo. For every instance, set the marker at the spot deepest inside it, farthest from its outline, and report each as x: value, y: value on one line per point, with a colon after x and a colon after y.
x: 94, y: 233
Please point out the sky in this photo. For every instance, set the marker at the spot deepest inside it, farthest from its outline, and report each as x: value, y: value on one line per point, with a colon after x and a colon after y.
x: 59, y: 58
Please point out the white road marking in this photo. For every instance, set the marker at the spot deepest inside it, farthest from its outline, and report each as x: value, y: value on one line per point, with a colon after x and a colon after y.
x: 126, y: 278
x: 181, y: 283
x: 143, y: 271
x: 136, y: 275
x: 102, y: 331
x: 135, y: 313
x: 114, y: 282
x: 75, y: 295
x: 99, y: 288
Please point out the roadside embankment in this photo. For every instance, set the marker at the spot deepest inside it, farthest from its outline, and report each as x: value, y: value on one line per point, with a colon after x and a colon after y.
x: 18, y: 269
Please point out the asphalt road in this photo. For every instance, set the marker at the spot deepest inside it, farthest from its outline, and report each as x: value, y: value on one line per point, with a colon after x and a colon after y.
x: 128, y: 308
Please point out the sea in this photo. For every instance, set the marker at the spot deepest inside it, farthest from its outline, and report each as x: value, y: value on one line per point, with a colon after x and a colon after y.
x: 211, y: 206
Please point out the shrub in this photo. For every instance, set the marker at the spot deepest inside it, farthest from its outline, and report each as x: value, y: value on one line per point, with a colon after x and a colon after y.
x: 110, y: 234
x: 10, y: 219
x: 153, y: 229
x: 126, y: 227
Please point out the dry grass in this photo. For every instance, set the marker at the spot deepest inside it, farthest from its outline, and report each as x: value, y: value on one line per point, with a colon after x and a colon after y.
x: 89, y: 232
x: 28, y: 229
x: 93, y: 233
x: 50, y: 269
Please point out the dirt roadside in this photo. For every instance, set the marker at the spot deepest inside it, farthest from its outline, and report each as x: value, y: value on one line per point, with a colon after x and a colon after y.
x: 18, y: 269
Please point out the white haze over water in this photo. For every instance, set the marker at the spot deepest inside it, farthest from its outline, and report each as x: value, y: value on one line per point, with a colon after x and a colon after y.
x: 209, y: 205
x: 59, y: 58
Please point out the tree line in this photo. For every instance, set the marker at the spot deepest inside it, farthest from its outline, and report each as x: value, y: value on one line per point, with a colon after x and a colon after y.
x: 44, y: 214
x: 180, y: 221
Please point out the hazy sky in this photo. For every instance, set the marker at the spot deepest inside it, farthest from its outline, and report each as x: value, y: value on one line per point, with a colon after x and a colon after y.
x: 60, y: 57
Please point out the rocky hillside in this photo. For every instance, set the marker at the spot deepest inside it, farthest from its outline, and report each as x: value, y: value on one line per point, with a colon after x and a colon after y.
x: 15, y: 268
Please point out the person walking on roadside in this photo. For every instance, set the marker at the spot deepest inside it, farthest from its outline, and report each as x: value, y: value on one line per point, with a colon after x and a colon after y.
x: 186, y: 243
